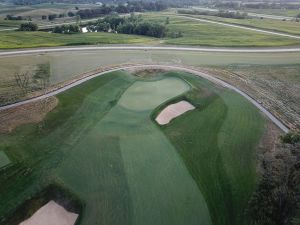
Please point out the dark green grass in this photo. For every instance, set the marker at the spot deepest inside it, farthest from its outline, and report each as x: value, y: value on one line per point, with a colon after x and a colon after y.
x: 217, y: 142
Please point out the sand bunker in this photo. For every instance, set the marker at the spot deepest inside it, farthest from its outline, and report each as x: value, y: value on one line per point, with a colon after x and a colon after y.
x: 51, y: 214
x: 172, y: 111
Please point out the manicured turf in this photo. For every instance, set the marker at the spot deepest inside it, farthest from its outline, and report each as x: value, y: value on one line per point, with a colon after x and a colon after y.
x: 102, y: 144
x: 217, y: 142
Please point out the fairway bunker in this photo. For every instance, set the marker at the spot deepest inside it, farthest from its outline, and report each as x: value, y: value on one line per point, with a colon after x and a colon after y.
x: 172, y: 111
x: 51, y: 214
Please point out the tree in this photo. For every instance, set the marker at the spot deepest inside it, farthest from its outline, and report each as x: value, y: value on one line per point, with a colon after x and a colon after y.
x: 52, y: 17
x: 71, y: 14
x: 167, y: 20
x: 28, y: 27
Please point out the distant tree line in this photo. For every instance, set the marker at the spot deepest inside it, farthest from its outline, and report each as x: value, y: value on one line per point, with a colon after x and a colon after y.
x: 11, y: 17
x: 67, y: 29
x: 130, y: 25
x: 220, y: 13
x: 130, y: 7
x: 28, y: 27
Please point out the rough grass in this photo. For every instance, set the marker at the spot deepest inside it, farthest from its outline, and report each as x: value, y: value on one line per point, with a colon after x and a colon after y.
x: 17, y: 39
x: 288, y: 26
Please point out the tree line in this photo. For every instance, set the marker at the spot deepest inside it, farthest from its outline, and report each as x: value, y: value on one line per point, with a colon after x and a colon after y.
x: 130, y: 7
x: 277, y: 198
x: 130, y: 25
x: 220, y: 13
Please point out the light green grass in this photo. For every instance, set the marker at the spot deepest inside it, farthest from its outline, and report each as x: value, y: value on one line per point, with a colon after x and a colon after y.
x: 288, y: 26
x: 137, y: 97
x: 128, y: 170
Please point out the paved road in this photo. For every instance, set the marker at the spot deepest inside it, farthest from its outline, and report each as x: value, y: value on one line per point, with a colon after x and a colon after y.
x: 242, y: 27
x: 146, y: 48
x: 193, y: 71
x: 259, y: 15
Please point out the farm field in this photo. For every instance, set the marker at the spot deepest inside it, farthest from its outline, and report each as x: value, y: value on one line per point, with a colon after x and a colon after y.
x: 194, y: 33
x: 189, y: 171
x: 278, y: 12
x: 201, y: 33
x: 288, y: 26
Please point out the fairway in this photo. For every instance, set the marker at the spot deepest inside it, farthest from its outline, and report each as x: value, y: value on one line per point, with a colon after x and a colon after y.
x: 102, y: 144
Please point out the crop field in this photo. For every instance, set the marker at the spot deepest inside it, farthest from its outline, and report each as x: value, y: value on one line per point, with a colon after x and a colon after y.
x: 288, y: 26
x: 101, y: 143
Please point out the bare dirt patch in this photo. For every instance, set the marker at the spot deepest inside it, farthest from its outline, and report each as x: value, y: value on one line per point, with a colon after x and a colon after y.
x: 172, y: 111
x: 146, y: 73
x: 51, y: 214
x: 32, y: 112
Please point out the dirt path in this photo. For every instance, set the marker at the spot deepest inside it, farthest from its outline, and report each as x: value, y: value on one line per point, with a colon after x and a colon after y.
x: 156, y: 66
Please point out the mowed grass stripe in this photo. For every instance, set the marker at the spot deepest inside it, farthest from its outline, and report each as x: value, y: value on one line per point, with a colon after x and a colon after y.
x: 218, y: 141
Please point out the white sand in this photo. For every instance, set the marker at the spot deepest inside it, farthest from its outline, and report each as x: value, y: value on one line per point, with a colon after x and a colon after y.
x: 51, y: 214
x: 172, y: 111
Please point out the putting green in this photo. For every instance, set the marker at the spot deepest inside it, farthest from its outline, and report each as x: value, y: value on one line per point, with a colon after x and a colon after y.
x: 102, y: 145
x: 148, y: 95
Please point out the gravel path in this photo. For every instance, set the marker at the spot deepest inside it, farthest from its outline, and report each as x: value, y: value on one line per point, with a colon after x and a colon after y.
x: 185, y: 69
x: 146, y: 48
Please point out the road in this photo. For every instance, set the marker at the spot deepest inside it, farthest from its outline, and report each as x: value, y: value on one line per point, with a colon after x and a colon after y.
x: 148, y: 48
x: 242, y: 27
x: 259, y: 15
x: 181, y: 68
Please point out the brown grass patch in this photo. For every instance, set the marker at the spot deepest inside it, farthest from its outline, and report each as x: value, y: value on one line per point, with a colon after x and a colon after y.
x: 32, y: 112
